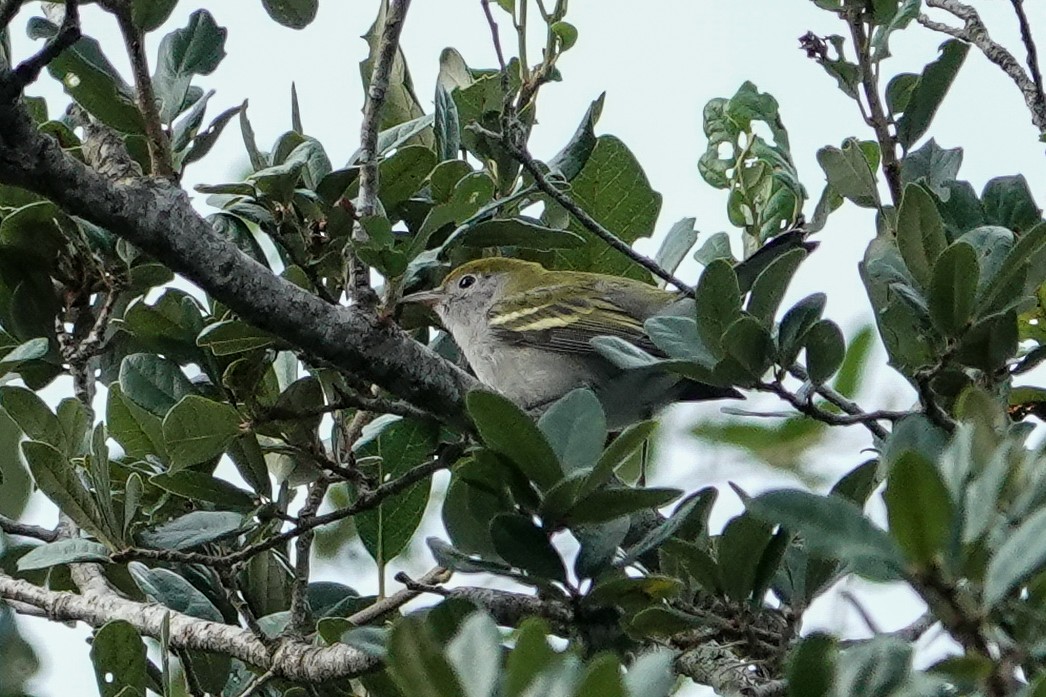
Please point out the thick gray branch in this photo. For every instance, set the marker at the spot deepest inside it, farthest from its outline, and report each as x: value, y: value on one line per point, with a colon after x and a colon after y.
x: 157, y: 217
x: 295, y: 660
x: 975, y: 32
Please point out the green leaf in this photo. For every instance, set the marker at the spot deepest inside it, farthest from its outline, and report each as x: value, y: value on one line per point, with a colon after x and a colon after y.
x: 633, y: 592
x: 91, y: 80
x: 416, y: 661
x: 514, y: 232
x: 132, y: 499
x: 199, y: 486
x: 749, y: 343
x: 28, y: 351
x: 32, y: 233
x: 168, y: 588
x: 953, y: 288
x: 445, y: 125
x: 620, y: 450
x: 139, y: 432
x: 607, y: 504
x: 63, y: 552
x: 566, y: 33
x: 192, y: 530
x: 153, y: 383
x: 203, y: 142
x: 920, y: 234
x: 400, y: 444
x: 741, y: 546
x: 197, y: 429
x: 834, y: 528
x: 825, y: 350
x: 576, y: 428
x: 508, y: 431
x: 932, y: 166
x: 715, y: 247
x: 990, y: 343
x: 1021, y: 554
x: 195, y: 50
x: 233, y: 336
x: 525, y: 546
x: 296, y: 14
x: 569, y: 161
x: 246, y: 453
x: 918, y: 508
x: 849, y: 173
x: 879, y: 667
x: 811, y: 667
x: 614, y: 190
x: 679, y: 239
x: 598, y: 546
x: 929, y: 92
x: 58, y: 480
x: 770, y: 286
x: 1008, y: 202
x: 148, y: 15
x: 119, y: 659
x: 33, y: 416
x: 718, y: 304
x: 791, y: 335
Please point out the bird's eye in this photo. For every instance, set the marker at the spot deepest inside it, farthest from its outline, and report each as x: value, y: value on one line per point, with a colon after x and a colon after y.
x: 466, y: 281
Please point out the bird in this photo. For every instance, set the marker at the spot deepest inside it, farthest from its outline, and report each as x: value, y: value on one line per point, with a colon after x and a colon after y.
x: 526, y: 332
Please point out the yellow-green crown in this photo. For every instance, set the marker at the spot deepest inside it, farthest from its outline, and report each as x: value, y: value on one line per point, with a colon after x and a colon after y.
x: 492, y: 265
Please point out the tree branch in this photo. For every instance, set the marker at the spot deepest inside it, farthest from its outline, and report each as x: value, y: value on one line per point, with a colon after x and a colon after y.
x: 295, y: 660
x: 398, y: 599
x: 1029, y: 46
x: 158, y: 218
x: 718, y: 667
x: 876, y: 115
x: 11, y: 85
x: 159, y: 143
x: 519, y: 152
x: 367, y: 203
x: 365, y: 502
x: 975, y: 32
x: 13, y: 527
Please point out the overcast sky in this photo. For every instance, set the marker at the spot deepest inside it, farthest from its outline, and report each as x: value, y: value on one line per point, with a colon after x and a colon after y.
x: 659, y: 63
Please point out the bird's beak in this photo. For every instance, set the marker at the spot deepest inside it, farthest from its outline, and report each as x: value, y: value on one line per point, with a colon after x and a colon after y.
x: 428, y: 298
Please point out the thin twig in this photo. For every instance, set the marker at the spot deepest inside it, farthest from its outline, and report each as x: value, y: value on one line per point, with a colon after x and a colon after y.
x: 366, y: 501
x: 368, y: 203
x: 867, y: 419
x: 231, y: 584
x: 842, y: 403
x: 300, y: 610
x: 68, y: 34
x: 13, y: 527
x: 8, y: 10
x: 975, y: 32
x: 519, y: 152
x: 386, y: 605
x: 876, y: 115
x: 378, y: 405
x: 495, y: 37
x: 158, y: 142
x: 1029, y: 46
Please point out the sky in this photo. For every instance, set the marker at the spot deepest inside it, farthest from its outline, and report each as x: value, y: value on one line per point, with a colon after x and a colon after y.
x: 659, y: 63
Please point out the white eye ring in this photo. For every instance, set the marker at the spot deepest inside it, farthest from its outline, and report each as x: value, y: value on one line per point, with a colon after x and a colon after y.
x: 466, y: 281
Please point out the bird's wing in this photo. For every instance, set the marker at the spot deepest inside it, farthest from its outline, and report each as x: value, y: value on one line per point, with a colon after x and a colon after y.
x: 561, y: 319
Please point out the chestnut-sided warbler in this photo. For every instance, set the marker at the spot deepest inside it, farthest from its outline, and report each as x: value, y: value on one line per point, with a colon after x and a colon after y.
x: 526, y: 332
